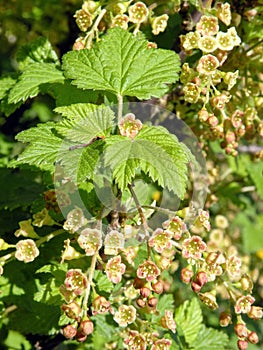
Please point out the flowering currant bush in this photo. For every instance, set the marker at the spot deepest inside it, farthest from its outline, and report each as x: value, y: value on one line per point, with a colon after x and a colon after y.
x: 119, y: 230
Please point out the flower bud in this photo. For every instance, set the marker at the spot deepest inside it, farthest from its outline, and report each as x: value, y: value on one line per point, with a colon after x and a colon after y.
x: 86, y: 327
x: 157, y: 287
x: 145, y: 292
x: 201, y: 278
x: 242, y: 344
x: 152, y: 302
x: 69, y: 331
x: 196, y: 287
x: 253, y: 338
x: 186, y: 275
x: 225, y: 319
x: 241, y: 330
x: 140, y: 302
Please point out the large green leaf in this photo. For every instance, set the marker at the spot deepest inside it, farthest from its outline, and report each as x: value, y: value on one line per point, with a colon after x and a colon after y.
x: 156, y: 152
x: 31, y: 80
x: 122, y: 64
x: 188, y: 318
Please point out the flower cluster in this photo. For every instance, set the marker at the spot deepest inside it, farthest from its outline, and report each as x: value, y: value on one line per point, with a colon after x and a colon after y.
x: 93, y: 18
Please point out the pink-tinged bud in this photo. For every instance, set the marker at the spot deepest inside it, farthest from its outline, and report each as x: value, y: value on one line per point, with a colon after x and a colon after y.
x: 225, y: 319
x: 242, y: 344
x: 81, y: 337
x: 246, y: 283
x: 69, y: 331
x: 241, y: 330
x: 72, y: 310
x: 256, y: 313
x: 86, y: 327
x: 152, y: 302
x: 145, y: 292
x: 157, y: 287
x: 140, y: 302
x: 196, y: 287
x: 253, y: 338
x: 186, y: 275
x: 201, y: 278
x: 213, y: 121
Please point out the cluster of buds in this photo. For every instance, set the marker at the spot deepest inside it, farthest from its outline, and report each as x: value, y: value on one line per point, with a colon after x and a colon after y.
x: 78, y: 330
x: 245, y: 336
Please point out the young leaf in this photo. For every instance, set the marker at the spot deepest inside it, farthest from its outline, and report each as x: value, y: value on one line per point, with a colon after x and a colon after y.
x: 31, y: 80
x: 39, y: 50
x: 188, y: 318
x: 156, y: 152
x: 122, y: 64
x: 85, y: 121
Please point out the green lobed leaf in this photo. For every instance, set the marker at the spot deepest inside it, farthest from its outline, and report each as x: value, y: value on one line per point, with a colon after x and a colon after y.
x: 39, y: 50
x: 122, y: 64
x: 209, y: 338
x: 6, y: 84
x: 188, y: 318
x: 103, y: 284
x: 31, y: 80
x: 43, y: 148
x: 156, y: 152
x: 85, y: 121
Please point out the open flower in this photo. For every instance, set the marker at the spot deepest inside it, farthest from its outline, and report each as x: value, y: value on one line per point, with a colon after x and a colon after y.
x: 148, y: 270
x: 243, y: 304
x: 135, y: 340
x: 176, y: 226
x: 75, y: 220
x: 193, y: 248
x: 76, y: 281
x: 207, y: 64
x: 129, y: 126
x: 168, y: 321
x: 138, y: 12
x: 159, y: 24
x: 125, y: 315
x: 161, y: 344
x: 208, y: 25
x: 160, y: 240
x: 115, y: 269
x: 114, y: 241
x: 90, y: 240
x: 26, y: 250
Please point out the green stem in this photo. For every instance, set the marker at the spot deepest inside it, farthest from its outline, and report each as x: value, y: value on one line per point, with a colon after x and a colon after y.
x: 137, y: 28
x: 163, y: 210
x: 49, y: 237
x: 90, y: 274
x: 94, y: 29
x: 120, y: 107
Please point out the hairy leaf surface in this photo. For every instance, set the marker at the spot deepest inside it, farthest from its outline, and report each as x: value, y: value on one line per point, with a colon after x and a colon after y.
x: 122, y: 64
